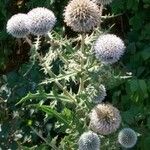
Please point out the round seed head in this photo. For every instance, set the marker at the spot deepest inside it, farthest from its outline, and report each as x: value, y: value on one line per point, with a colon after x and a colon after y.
x: 109, y: 48
x: 102, y: 94
x: 18, y: 26
x: 105, y: 119
x: 42, y: 20
x: 103, y: 2
x: 82, y: 15
x: 89, y: 141
x: 127, y: 138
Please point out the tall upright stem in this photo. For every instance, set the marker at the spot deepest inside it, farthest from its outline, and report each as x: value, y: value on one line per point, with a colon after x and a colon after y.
x: 81, y: 86
x: 101, y: 12
x: 82, y: 42
x: 28, y: 41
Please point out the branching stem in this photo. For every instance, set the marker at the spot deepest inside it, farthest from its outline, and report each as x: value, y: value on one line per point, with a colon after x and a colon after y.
x: 51, y: 74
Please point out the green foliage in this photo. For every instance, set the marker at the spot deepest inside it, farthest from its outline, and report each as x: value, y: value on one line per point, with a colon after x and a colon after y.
x: 135, y: 96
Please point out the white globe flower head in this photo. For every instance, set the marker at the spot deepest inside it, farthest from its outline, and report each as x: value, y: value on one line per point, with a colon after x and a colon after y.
x: 104, y: 119
x: 89, y: 141
x: 101, y: 95
x: 82, y: 15
x: 127, y: 138
x: 109, y: 48
x: 42, y: 20
x: 18, y: 26
x: 102, y: 2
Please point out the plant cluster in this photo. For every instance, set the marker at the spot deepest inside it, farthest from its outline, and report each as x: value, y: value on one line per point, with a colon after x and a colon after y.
x: 72, y: 96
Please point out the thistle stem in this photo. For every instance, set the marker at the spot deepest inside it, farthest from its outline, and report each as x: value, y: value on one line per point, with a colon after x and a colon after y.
x: 48, y: 70
x: 81, y: 86
x: 82, y: 42
x: 48, y: 143
x: 53, y: 44
x: 28, y: 41
x: 101, y: 12
x: 51, y: 74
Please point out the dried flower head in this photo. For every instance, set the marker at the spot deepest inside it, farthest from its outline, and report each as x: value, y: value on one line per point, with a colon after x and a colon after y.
x: 105, y: 119
x: 82, y: 15
x: 109, y: 48
x: 101, y: 95
x: 89, y: 141
x: 127, y: 137
x: 17, y: 25
x: 103, y: 2
x: 42, y: 20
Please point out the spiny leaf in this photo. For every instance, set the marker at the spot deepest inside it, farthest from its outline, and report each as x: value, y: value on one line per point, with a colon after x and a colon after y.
x: 48, y: 110
x: 59, y: 77
x: 40, y: 96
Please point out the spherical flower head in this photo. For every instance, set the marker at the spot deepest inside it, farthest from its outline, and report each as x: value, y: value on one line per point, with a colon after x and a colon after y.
x: 105, y: 119
x: 102, y: 94
x: 42, y: 20
x: 89, y: 141
x: 82, y: 15
x: 127, y: 138
x: 102, y: 2
x: 109, y: 48
x: 18, y: 26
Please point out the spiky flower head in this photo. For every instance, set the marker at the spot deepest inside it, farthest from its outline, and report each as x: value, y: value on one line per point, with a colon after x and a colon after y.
x: 101, y: 95
x: 102, y: 2
x: 127, y: 137
x: 109, y: 48
x: 82, y: 15
x: 89, y: 141
x: 42, y: 20
x: 17, y: 25
x: 104, y: 119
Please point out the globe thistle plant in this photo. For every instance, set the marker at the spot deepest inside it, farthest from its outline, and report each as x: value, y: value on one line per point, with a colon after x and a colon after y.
x: 89, y: 141
x: 104, y: 119
x: 102, y: 94
x: 82, y: 15
x: 18, y: 26
x: 109, y: 48
x: 102, y: 2
x: 127, y: 138
x: 42, y: 20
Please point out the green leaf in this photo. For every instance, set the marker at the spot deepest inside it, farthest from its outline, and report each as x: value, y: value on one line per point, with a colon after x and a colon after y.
x: 59, y: 77
x: 143, y: 87
x: 49, y: 111
x: 40, y: 96
x: 146, y: 53
x: 137, y: 21
x: 146, y: 145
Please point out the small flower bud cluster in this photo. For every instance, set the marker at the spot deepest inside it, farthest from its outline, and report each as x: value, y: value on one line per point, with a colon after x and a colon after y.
x: 101, y: 95
x: 127, y: 138
x: 89, y: 141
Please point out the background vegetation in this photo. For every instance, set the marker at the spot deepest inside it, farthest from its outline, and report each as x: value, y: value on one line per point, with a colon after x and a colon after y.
x: 19, y: 125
